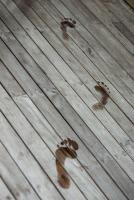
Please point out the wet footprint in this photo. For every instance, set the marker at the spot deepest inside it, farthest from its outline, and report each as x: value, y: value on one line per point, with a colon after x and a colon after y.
x: 66, y: 149
x: 67, y: 22
x: 105, y: 92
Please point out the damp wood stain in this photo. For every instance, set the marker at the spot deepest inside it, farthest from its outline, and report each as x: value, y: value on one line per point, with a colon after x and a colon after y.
x: 8, y: 197
x: 89, y: 51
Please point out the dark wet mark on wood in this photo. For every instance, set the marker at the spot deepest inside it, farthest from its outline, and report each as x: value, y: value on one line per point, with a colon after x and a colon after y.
x: 125, y: 31
x: 104, y: 90
x: 89, y: 51
x: 65, y: 23
x: 24, y: 5
x: 8, y: 197
x: 21, y: 154
x: 66, y: 149
x: 38, y: 187
x: 27, y: 2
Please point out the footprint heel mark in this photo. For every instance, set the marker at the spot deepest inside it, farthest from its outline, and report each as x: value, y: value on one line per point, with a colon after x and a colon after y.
x: 67, y: 22
x: 66, y: 149
x: 105, y: 92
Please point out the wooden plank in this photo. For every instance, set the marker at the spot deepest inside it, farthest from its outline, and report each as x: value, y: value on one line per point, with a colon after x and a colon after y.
x: 130, y: 3
x: 107, y: 121
x: 10, y: 83
x: 99, y: 11
x: 70, y: 94
x: 103, y: 36
x: 128, y: 9
x: 4, y: 192
x: 106, y: 18
x: 6, y: 60
x: 119, y: 23
x: 82, y: 179
x: 78, y: 54
x: 81, y: 57
x: 122, y: 12
x: 123, y: 29
x: 40, y: 182
x: 88, y: 81
x: 116, y: 21
x: 78, y: 125
x: 25, y: 104
x: 34, y: 117
x: 100, y: 63
x: 14, y: 178
x: 38, y: 149
x: 17, y: 95
x: 52, y: 140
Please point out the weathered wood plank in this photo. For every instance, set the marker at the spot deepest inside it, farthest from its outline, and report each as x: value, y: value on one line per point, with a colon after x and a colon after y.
x: 79, y: 55
x: 26, y: 162
x: 90, y: 120
x: 53, y: 132
x: 10, y: 82
x: 107, y: 121
x: 78, y: 125
x: 94, y: 57
x: 4, y: 192
x: 124, y: 30
x: 40, y: 125
x: 73, y: 48
x: 130, y: 3
x: 34, y: 116
x: 122, y: 24
x: 106, y: 17
x: 122, y: 12
x: 13, y: 177
x: 103, y: 35
x: 105, y: 117
x: 38, y: 148
x: 51, y: 139
x: 27, y: 107
x: 115, y: 19
x: 76, y: 37
x: 88, y: 81
x: 127, y: 9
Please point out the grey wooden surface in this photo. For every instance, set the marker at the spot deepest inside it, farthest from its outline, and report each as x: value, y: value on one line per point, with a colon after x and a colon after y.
x: 47, y: 92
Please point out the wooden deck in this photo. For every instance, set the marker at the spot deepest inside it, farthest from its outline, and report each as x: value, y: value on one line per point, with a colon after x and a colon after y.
x: 47, y: 95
